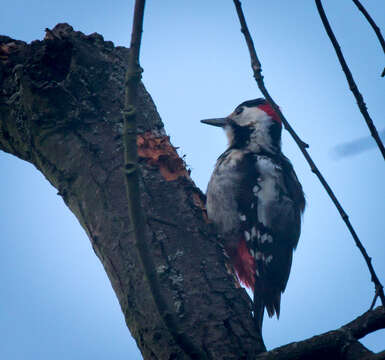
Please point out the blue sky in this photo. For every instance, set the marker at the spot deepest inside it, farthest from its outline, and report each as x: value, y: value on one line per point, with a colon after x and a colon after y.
x: 56, y: 301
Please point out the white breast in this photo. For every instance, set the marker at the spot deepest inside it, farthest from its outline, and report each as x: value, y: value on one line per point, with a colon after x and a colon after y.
x: 222, y: 190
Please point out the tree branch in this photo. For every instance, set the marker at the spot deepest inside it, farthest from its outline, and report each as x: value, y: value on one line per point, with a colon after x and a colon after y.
x: 131, y: 169
x: 333, y: 344
x: 373, y: 25
x: 257, y: 70
x: 60, y: 109
x: 349, y: 77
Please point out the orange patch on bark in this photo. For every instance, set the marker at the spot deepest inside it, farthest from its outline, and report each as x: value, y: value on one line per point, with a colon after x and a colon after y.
x: 5, y: 50
x: 158, y: 151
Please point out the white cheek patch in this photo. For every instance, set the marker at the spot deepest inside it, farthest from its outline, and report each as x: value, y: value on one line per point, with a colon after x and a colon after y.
x: 260, y: 122
x: 252, y: 115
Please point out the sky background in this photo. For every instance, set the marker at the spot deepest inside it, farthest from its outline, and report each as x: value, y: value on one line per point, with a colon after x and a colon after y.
x: 55, y: 299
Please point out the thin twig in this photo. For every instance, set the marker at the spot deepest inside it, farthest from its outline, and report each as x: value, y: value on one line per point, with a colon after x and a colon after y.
x: 374, y: 301
x: 257, y: 69
x: 131, y: 169
x: 373, y: 25
x: 349, y: 77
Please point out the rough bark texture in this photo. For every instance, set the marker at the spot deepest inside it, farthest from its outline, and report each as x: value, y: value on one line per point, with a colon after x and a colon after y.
x: 60, y: 109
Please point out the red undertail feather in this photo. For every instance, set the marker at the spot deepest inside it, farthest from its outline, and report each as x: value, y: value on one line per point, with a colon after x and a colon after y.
x: 244, y: 264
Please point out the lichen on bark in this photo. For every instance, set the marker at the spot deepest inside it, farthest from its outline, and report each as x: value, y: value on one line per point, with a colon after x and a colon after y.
x: 60, y: 109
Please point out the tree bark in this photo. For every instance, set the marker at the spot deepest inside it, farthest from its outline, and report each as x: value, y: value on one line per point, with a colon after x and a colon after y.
x: 60, y: 109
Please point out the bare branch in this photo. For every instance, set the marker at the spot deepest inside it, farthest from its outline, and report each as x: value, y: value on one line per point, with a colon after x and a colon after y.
x: 257, y: 69
x: 349, y: 77
x: 373, y: 25
x: 374, y: 301
x: 131, y: 169
x: 338, y: 343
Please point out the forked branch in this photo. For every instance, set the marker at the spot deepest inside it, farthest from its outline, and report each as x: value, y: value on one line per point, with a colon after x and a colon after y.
x: 257, y: 70
x: 349, y: 77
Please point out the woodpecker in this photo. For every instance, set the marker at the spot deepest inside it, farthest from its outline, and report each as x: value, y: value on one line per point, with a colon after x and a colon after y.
x: 255, y: 201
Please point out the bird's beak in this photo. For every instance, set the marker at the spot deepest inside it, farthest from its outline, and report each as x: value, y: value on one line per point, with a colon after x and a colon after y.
x: 221, y: 122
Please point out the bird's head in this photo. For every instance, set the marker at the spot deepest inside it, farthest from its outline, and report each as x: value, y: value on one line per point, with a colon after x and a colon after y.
x: 253, y: 125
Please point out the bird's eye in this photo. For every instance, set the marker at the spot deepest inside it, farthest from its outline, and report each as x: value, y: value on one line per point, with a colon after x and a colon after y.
x: 238, y: 111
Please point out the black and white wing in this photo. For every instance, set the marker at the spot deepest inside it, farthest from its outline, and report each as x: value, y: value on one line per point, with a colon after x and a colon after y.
x: 272, y: 201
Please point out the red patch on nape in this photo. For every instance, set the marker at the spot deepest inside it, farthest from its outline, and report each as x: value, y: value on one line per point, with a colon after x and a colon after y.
x: 270, y: 111
x: 244, y: 264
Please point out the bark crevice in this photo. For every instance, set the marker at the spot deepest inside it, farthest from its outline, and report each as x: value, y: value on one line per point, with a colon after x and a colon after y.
x: 60, y: 109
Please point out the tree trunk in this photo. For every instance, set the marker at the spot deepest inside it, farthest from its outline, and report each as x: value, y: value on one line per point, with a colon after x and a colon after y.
x: 60, y: 109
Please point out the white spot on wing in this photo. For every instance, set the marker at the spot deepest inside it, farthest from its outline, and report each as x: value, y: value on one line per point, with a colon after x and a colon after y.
x: 247, y: 236
x: 268, y: 193
x: 266, y: 237
x: 242, y: 217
